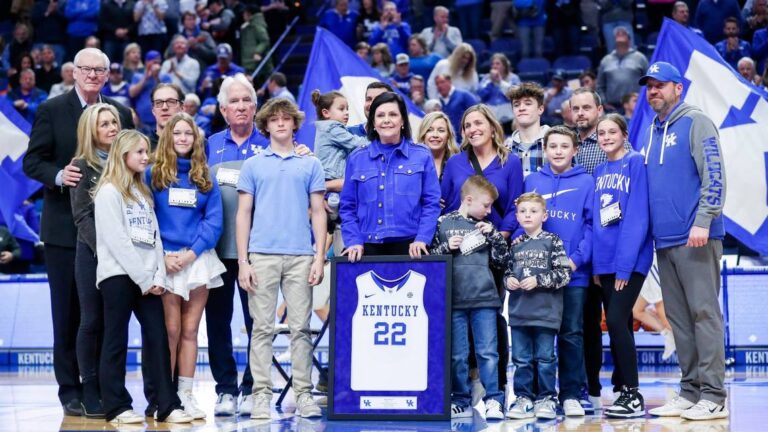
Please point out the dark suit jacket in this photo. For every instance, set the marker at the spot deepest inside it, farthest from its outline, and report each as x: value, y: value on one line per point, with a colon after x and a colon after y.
x: 52, y: 146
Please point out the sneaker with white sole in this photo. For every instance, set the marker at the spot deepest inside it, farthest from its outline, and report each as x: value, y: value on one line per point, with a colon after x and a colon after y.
x: 493, y: 410
x: 673, y: 408
x: 260, y: 407
x: 128, y: 417
x: 669, y: 344
x: 586, y: 402
x: 178, y: 416
x: 477, y: 391
x: 246, y: 403
x: 225, y: 405
x: 572, y: 408
x: 705, y: 410
x: 284, y: 358
x: 307, y: 407
x: 521, y: 409
x: 630, y: 403
x: 189, y: 403
x: 458, y: 411
x: 545, y: 409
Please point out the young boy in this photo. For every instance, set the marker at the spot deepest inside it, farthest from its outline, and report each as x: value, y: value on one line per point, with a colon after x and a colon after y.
x: 475, y: 245
x: 537, y: 266
x: 569, y: 192
x: 277, y: 185
x: 527, y: 141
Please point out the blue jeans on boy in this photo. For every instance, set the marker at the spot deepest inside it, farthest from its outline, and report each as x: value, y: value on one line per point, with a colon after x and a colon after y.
x: 483, y: 323
x: 570, y: 343
x: 534, y: 345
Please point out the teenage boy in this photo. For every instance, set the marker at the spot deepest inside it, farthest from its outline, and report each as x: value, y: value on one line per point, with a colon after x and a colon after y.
x: 537, y: 267
x: 569, y: 193
x: 527, y: 141
x: 279, y: 185
x: 475, y: 245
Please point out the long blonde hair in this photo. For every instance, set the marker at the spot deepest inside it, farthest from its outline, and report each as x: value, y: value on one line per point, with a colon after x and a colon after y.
x: 454, y: 61
x: 87, y: 133
x: 450, y: 146
x: 497, y: 133
x: 117, y: 173
x: 165, y: 168
x: 132, y: 46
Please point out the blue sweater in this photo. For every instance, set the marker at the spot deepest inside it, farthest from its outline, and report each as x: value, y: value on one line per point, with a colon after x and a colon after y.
x: 569, y: 198
x: 624, y: 246
x: 82, y: 17
x: 197, y: 228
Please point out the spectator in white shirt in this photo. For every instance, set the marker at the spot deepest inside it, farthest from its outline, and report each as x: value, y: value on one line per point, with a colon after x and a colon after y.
x: 441, y: 38
x: 183, y: 69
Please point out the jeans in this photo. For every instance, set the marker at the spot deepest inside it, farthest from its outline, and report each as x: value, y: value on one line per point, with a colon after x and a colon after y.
x: 534, y: 345
x: 610, y: 42
x: 91, y: 330
x: 483, y: 323
x: 593, y: 338
x: 570, y: 343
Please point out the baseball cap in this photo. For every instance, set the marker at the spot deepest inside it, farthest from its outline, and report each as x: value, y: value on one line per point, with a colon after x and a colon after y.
x: 224, y: 51
x: 558, y: 75
x: 662, y: 71
x: 152, y: 55
x: 116, y: 67
x: 402, y: 59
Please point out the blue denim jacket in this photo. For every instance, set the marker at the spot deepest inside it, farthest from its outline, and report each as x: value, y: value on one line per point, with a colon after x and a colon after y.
x: 389, y: 199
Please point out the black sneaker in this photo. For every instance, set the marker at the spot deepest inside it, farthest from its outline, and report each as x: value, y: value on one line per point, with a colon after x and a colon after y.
x: 629, y: 404
x: 151, y: 410
x: 73, y: 408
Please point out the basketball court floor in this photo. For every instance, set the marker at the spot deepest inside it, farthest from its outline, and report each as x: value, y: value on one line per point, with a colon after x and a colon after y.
x: 28, y: 402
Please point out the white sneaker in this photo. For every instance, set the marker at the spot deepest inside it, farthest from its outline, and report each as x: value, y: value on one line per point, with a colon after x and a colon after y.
x: 673, y: 408
x: 705, y: 410
x: 572, y: 408
x: 178, y: 416
x: 225, y: 405
x: 190, y: 404
x: 128, y: 417
x: 521, y: 409
x: 260, y: 406
x: 493, y: 410
x: 284, y: 358
x: 307, y: 407
x: 246, y: 404
x: 545, y: 409
x: 458, y: 412
x: 477, y: 391
x: 669, y: 344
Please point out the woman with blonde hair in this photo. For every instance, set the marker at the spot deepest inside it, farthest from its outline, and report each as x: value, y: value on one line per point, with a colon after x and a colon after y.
x: 461, y: 65
x: 96, y: 130
x: 437, y: 133
x: 381, y: 59
x: 189, y: 215
x: 131, y: 277
x: 132, y: 61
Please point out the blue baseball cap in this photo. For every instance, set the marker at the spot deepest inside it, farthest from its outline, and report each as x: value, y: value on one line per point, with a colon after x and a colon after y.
x: 662, y: 71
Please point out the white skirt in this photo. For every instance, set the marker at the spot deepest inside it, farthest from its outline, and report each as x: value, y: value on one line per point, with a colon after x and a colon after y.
x: 205, y: 271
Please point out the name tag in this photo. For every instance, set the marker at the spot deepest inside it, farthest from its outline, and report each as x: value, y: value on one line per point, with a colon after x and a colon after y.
x: 227, y: 176
x: 143, y: 236
x: 472, y: 242
x: 610, y: 214
x: 182, y: 197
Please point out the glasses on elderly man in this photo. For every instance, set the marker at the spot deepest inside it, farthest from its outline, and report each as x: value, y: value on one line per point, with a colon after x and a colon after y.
x: 172, y: 103
x: 97, y: 70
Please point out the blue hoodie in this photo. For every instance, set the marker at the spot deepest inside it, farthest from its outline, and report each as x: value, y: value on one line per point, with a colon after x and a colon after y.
x: 197, y: 228
x: 624, y: 246
x: 569, y: 198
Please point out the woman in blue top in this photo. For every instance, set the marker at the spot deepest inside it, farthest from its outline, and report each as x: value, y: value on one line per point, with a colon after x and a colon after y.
x: 622, y: 253
x: 189, y: 215
x: 391, y: 197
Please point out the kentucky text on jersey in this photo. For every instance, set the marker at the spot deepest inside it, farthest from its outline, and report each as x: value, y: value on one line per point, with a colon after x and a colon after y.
x: 390, y: 310
x: 613, y: 181
x: 562, y: 214
x: 713, y: 160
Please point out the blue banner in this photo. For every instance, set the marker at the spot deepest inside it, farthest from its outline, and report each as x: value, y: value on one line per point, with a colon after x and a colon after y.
x: 739, y: 110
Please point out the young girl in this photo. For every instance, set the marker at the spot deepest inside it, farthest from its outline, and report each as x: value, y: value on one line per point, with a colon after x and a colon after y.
x: 381, y: 59
x: 437, y: 133
x: 131, y: 275
x: 622, y: 253
x: 189, y: 214
x: 96, y: 130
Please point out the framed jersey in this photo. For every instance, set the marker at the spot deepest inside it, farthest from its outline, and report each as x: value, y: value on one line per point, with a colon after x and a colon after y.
x: 390, y: 338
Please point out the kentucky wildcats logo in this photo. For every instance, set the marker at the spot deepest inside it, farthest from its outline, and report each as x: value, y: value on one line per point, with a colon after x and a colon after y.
x: 605, y: 199
x: 653, y: 69
x: 670, y: 140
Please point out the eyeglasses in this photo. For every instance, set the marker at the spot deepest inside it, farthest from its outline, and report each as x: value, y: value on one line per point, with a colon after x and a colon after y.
x: 97, y: 70
x: 172, y: 103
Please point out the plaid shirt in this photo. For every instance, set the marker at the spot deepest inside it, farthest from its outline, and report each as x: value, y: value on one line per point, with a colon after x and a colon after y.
x: 591, y: 155
x: 531, y: 154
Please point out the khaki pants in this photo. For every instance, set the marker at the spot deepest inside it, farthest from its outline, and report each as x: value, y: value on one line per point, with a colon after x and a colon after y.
x: 289, y: 273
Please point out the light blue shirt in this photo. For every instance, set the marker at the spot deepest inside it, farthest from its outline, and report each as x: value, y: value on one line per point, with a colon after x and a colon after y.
x: 281, y: 187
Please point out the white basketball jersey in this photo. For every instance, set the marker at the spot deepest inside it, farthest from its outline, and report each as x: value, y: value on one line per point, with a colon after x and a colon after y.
x: 389, y: 333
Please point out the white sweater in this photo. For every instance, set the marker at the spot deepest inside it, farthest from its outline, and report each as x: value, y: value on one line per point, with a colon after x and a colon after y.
x: 118, y: 254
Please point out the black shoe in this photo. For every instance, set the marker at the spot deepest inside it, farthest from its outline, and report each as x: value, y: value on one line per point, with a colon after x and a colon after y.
x: 629, y: 404
x: 73, y: 408
x: 94, y: 412
x: 91, y: 403
x: 151, y: 410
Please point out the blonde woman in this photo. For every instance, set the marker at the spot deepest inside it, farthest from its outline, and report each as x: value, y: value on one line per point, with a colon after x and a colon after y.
x: 96, y: 130
x: 461, y: 65
x: 381, y: 59
x: 130, y: 275
x: 437, y: 133
x: 132, y: 61
x: 189, y: 215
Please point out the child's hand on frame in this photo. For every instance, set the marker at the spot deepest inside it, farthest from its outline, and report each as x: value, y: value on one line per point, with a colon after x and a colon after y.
x: 484, y: 227
x: 454, y: 242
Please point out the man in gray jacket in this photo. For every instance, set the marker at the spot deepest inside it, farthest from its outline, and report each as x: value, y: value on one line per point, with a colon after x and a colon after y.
x: 620, y: 69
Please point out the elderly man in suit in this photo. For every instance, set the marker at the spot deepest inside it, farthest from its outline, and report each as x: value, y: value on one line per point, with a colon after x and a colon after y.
x: 52, y: 145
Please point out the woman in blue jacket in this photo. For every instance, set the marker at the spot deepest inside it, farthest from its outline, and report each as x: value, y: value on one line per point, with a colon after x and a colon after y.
x: 391, y: 197
x: 189, y: 214
x: 622, y: 253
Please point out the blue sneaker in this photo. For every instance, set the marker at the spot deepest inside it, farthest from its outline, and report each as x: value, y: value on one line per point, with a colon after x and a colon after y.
x: 585, y: 400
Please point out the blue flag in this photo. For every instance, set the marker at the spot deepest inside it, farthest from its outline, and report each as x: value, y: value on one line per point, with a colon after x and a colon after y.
x: 16, y: 187
x: 739, y: 110
x: 334, y: 66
